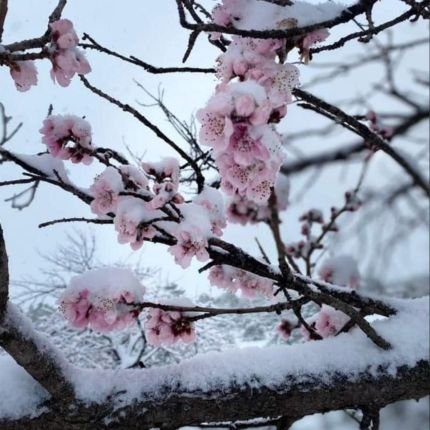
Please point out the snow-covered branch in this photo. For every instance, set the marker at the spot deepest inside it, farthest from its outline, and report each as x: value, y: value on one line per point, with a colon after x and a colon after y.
x: 290, y: 381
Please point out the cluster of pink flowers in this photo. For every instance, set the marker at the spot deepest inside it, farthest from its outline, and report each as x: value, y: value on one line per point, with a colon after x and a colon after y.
x: 201, y: 219
x: 111, y: 182
x: 141, y: 210
x: 24, y: 74
x: 246, y: 148
x: 240, y: 210
x: 168, y: 327
x: 238, y: 121
x: 68, y: 137
x: 165, y: 175
x: 134, y: 221
x: 327, y: 322
x: 102, y: 299
x: 241, y: 14
x: 67, y: 59
x: 233, y: 280
x: 341, y: 271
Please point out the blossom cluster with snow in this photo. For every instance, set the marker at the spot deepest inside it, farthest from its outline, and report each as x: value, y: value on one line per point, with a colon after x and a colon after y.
x: 101, y: 299
x: 241, y: 210
x: 68, y: 137
x: 67, y: 60
x: 168, y: 327
x: 145, y: 202
x: 141, y: 211
x: 108, y: 299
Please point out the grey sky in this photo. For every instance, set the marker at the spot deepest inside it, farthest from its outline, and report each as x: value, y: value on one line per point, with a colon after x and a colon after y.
x: 150, y: 30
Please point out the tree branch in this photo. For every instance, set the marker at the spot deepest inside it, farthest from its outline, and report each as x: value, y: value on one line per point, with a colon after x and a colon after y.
x: 348, y: 14
x: 29, y: 350
x: 371, y: 138
x: 293, y: 396
x: 3, y: 13
x: 4, y: 276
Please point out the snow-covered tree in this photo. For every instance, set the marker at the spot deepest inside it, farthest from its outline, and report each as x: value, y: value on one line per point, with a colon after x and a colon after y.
x: 132, y: 353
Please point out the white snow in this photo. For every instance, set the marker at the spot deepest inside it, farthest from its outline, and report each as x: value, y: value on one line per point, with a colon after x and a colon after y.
x: 260, y: 15
x: 20, y: 394
x: 47, y: 164
x: 349, y: 353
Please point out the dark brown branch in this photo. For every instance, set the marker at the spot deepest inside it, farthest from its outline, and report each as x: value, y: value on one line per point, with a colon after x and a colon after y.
x: 292, y: 397
x: 26, y: 348
x: 37, y: 42
x: 4, y: 277
x: 36, y: 356
x: 129, y: 109
x: 364, y: 33
x: 3, y: 13
x: 371, y: 138
x: 211, y: 311
x: 347, y: 152
x: 76, y: 219
x: 347, y: 15
x: 137, y: 62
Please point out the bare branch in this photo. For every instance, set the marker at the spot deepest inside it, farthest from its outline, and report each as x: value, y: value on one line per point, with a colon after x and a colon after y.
x: 3, y: 13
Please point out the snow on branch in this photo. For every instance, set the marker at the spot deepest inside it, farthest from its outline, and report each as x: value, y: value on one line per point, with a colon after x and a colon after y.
x: 291, y: 381
x: 30, y: 350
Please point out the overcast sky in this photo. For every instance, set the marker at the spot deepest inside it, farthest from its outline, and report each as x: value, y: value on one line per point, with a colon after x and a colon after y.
x: 150, y: 31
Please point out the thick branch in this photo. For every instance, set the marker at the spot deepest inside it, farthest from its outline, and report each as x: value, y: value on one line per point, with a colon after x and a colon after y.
x: 17, y: 337
x: 3, y: 13
x: 293, y: 396
x: 35, y: 355
x: 4, y: 276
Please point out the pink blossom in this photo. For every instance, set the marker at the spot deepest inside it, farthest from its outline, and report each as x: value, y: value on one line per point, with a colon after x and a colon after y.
x: 63, y: 34
x: 241, y: 210
x: 67, y: 59
x: 190, y: 244
x: 221, y: 17
x: 310, y: 40
x: 244, y: 105
x: 66, y: 63
x: 102, y: 299
x: 133, y: 221
x: 168, y: 327
x: 314, y: 37
x: 68, y: 137
x: 105, y: 191
x: 244, y: 148
x: 24, y: 73
x: 329, y: 321
x: 166, y: 181
x: 212, y: 200
x: 165, y: 192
